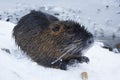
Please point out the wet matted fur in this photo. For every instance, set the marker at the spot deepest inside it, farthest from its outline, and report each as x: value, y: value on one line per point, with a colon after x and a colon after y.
x: 51, y: 42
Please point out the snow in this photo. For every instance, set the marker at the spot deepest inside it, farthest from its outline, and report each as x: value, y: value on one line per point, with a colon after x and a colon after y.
x: 104, y: 65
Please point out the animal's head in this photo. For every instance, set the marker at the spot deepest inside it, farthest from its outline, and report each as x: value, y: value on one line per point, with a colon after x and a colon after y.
x: 70, y: 37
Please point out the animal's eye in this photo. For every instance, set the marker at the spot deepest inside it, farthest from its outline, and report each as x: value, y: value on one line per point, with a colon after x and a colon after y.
x: 56, y: 28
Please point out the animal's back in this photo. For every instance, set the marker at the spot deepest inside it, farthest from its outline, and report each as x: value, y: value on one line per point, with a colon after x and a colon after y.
x: 34, y: 20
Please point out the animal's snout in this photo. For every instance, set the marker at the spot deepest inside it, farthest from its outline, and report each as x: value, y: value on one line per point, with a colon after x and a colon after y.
x: 90, y: 41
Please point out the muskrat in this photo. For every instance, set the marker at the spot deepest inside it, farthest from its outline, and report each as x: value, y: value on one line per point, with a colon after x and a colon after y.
x: 51, y: 42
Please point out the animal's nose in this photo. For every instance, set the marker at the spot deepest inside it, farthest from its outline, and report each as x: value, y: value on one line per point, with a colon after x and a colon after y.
x: 90, y: 41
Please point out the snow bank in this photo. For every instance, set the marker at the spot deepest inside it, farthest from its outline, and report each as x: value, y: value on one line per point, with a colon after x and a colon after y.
x: 104, y: 65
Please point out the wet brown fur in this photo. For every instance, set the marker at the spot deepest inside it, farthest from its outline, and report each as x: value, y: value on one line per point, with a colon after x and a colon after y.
x: 44, y: 38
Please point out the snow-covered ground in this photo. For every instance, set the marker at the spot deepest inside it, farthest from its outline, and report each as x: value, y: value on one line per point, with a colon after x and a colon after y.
x: 104, y: 65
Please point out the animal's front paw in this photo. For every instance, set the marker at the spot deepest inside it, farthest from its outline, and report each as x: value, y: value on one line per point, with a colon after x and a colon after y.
x: 84, y: 59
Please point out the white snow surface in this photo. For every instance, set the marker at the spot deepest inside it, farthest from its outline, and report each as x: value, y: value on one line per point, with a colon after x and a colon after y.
x: 103, y: 65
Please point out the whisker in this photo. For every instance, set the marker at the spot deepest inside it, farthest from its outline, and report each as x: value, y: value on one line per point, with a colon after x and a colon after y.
x: 77, y: 41
x: 67, y: 50
x: 71, y: 49
x: 99, y: 40
x: 58, y: 58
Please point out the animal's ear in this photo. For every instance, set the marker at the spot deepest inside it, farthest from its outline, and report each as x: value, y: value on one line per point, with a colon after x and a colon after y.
x: 56, y: 28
